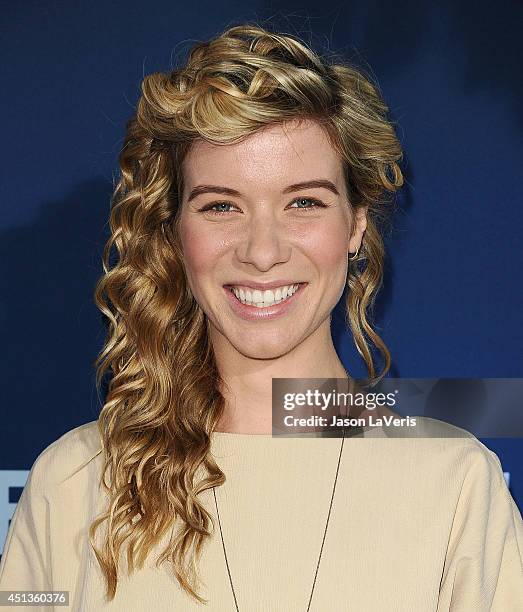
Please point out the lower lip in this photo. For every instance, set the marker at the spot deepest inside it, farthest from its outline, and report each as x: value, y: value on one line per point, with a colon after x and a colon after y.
x: 253, y: 313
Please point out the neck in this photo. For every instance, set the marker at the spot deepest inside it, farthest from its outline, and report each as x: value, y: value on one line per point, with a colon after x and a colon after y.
x: 248, y: 381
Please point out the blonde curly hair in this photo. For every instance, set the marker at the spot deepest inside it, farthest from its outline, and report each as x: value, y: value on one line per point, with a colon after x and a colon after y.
x: 163, y: 400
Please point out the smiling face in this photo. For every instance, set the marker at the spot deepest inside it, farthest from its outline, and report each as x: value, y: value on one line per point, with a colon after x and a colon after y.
x: 256, y: 226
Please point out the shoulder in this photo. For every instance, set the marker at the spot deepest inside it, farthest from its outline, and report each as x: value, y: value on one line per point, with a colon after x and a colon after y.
x: 66, y: 456
x: 434, y: 447
x: 468, y: 456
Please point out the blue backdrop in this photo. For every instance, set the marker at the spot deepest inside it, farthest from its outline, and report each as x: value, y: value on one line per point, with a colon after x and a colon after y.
x: 451, y: 304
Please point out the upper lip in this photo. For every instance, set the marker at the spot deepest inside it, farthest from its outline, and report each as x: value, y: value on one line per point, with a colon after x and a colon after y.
x: 263, y: 286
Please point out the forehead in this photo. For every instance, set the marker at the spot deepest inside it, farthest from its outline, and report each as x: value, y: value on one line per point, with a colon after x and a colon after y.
x: 271, y: 158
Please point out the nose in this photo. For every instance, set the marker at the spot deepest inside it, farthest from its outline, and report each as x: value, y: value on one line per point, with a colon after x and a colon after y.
x: 265, y: 242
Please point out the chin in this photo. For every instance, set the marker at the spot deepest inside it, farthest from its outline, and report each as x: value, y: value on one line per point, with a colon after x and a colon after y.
x: 261, y: 349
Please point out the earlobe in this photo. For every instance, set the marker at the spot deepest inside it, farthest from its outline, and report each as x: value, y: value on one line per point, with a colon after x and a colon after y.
x: 362, y: 216
x: 360, y: 219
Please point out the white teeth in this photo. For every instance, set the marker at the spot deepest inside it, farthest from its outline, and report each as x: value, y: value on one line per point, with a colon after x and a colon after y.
x: 262, y: 299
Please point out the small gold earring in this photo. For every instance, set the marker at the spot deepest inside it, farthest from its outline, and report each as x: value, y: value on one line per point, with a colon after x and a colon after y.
x: 355, y: 255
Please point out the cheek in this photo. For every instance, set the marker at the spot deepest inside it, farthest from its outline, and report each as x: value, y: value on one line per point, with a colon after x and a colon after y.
x: 327, y: 245
x: 200, y: 248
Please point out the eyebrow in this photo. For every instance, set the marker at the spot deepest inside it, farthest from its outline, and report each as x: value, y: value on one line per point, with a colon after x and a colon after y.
x: 316, y: 183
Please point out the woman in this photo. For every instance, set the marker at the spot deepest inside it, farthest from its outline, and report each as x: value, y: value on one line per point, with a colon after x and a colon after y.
x: 253, y: 185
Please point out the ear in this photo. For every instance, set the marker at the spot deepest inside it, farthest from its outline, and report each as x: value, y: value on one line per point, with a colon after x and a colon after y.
x: 359, y: 222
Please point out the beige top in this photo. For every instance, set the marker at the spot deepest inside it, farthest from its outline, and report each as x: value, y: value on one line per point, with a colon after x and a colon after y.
x: 423, y: 524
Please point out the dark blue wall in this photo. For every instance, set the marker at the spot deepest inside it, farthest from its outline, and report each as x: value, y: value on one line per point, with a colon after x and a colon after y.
x: 452, y: 301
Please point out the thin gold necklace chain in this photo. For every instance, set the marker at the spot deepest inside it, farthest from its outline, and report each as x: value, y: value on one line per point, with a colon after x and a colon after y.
x: 322, y: 543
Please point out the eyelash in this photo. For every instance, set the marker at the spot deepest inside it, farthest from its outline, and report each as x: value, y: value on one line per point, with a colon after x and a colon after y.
x: 208, y: 208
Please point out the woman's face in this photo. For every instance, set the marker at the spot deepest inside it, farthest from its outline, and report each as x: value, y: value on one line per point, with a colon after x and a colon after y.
x: 246, y: 223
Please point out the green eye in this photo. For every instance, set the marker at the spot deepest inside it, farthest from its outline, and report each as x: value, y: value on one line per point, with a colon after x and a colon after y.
x: 211, y: 208
x: 316, y: 204
x: 219, y: 208
x: 221, y: 204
